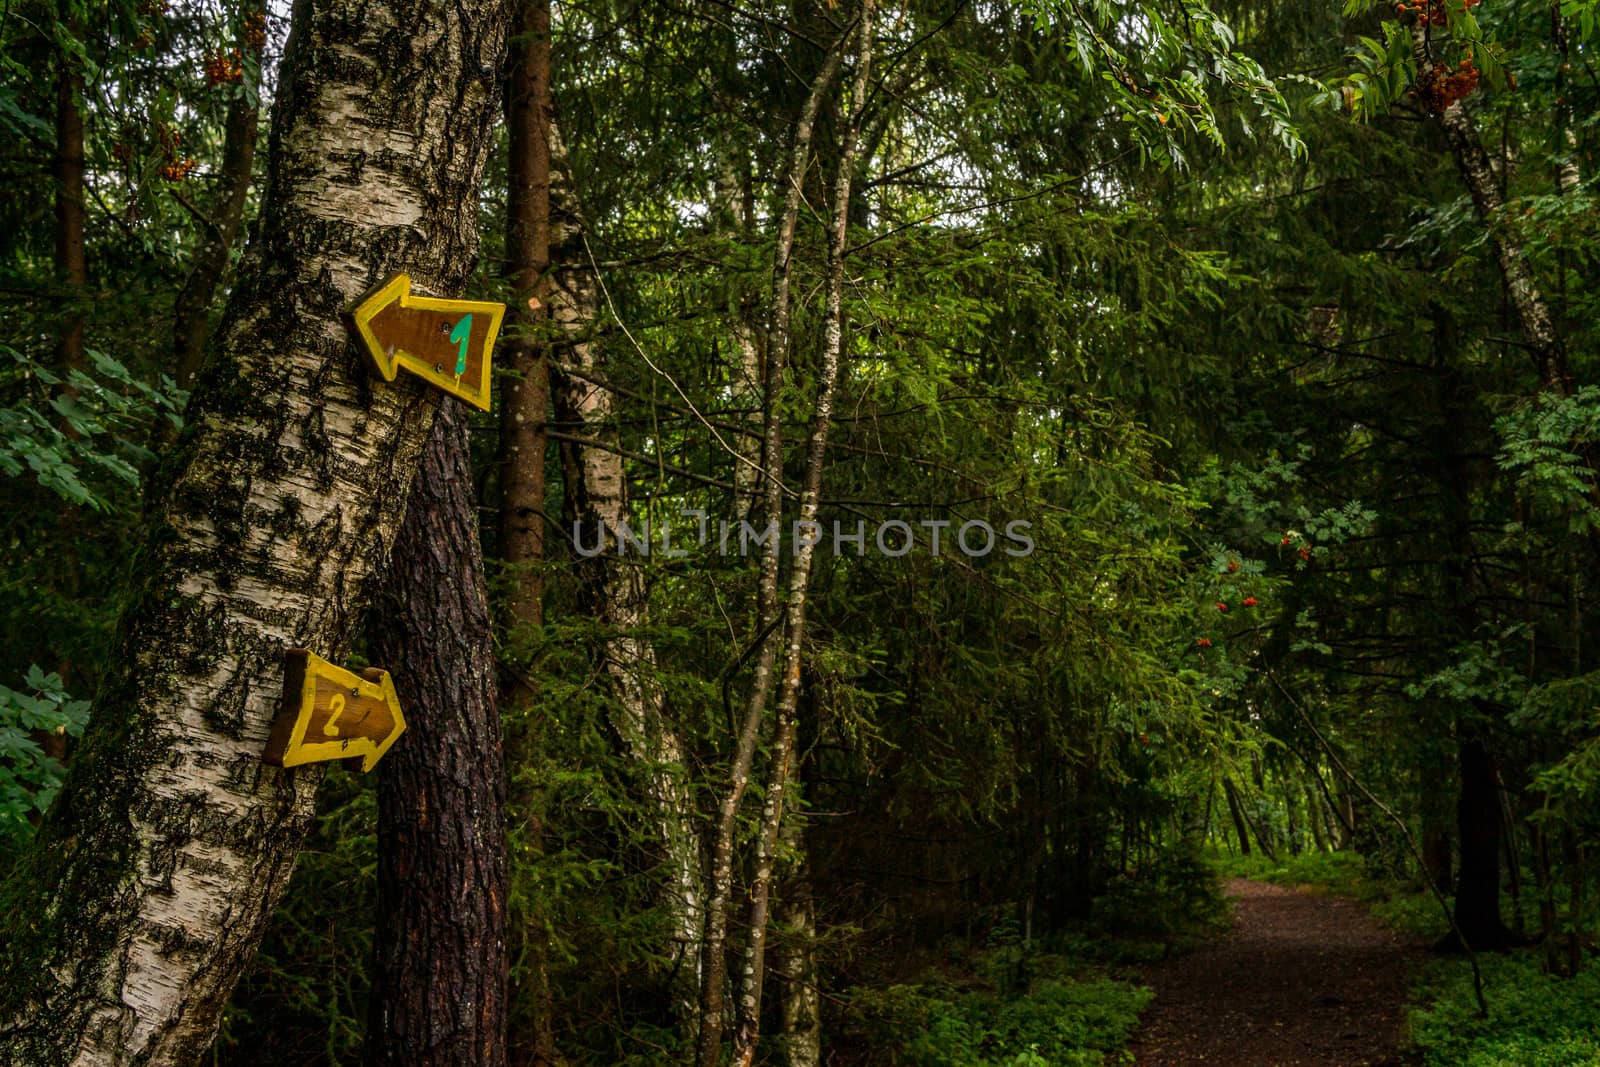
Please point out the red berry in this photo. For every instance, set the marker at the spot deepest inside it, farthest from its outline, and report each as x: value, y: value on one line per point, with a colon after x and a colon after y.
x: 1249, y: 601
x: 1285, y: 541
x: 1203, y: 642
x: 1222, y: 606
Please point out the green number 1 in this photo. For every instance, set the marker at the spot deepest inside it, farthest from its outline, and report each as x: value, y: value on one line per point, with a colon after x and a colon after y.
x: 461, y: 335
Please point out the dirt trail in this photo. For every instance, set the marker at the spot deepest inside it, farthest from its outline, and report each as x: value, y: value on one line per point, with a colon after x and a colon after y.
x: 1304, y: 980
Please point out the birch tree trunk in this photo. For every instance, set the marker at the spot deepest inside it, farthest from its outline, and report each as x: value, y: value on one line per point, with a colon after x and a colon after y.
x: 146, y: 894
x: 794, y: 625
x: 794, y: 955
x: 731, y: 217
x: 1522, y: 287
x: 714, y: 969
x: 439, y: 987
x: 613, y: 590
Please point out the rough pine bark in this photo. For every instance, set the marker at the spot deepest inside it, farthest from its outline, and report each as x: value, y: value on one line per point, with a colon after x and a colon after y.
x: 151, y: 881
x: 1237, y: 812
x: 1478, y: 820
x: 526, y: 393
x: 1477, y: 904
x: 439, y: 987
x: 71, y: 261
x: 524, y: 398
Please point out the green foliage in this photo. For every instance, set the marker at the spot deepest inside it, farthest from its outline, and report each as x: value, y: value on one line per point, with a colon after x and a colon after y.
x: 1163, y: 68
x: 1340, y: 872
x: 1587, y: 14
x: 1535, y: 1019
x: 97, y: 425
x: 1404, y: 907
x: 29, y: 776
x: 1280, y: 378
x: 1545, y: 442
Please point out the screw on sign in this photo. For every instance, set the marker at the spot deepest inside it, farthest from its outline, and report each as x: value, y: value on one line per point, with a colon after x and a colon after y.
x: 330, y: 713
x: 445, y: 342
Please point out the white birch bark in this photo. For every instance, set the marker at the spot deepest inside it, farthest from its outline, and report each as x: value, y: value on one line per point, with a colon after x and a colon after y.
x: 1522, y: 287
x: 615, y: 588
x: 720, y: 888
x: 794, y: 626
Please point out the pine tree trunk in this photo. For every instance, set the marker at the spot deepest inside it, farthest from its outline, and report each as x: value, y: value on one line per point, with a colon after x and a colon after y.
x: 71, y: 261
x: 1437, y: 855
x: 152, y: 879
x: 1238, y: 816
x: 1314, y: 819
x: 1477, y: 908
x: 526, y: 393
x: 524, y: 400
x: 439, y: 986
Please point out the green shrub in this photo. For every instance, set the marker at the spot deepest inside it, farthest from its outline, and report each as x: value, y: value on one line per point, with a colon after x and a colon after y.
x: 1417, y: 914
x: 1340, y: 872
x: 1174, y: 899
x: 1058, y: 1024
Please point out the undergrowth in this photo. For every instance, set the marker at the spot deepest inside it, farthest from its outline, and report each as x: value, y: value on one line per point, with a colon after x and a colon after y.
x: 1535, y: 1019
x: 1046, y: 1002
x: 1056, y: 1022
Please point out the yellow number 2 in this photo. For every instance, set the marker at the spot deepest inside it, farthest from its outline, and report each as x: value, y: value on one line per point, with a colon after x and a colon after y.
x: 336, y: 705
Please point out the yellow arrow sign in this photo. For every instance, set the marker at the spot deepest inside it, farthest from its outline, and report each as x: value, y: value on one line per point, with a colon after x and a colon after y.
x: 446, y: 342
x: 330, y: 713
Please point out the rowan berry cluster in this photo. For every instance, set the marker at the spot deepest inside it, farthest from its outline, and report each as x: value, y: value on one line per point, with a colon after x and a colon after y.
x: 149, y: 10
x: 1428, y: 12
x: 255, y: 31
x: 1443, y: 86
x: 177, y: 167
x: 178, y: 170
x: 223, y: 67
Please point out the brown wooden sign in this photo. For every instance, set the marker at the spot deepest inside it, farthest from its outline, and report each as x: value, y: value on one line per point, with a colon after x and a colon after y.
x: 330, y: 713
x: 446, y: 342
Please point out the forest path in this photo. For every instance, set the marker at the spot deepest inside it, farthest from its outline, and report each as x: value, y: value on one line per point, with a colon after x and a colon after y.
x: 1303, y: 980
